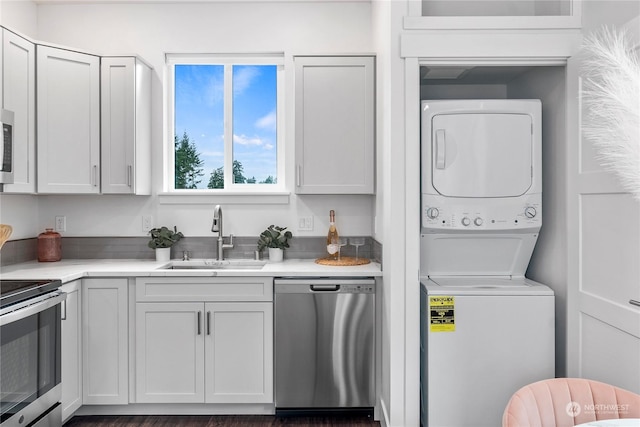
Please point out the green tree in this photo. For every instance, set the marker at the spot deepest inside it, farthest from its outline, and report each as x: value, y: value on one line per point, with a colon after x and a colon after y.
x: 269, y: 180
x: 188, y: 165
x: 216, y: 180
x: 238, y: 173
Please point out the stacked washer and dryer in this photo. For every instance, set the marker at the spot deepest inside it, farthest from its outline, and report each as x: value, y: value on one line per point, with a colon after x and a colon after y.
x: 486, y: 330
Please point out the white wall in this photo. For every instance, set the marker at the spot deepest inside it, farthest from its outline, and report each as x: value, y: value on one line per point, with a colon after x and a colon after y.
x: 20, y: 15
x: 399, y: 388
x: 548, y: 264
x: 153, y: 29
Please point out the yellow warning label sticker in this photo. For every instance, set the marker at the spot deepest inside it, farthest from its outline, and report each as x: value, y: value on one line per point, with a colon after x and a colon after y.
x: 442, y: 309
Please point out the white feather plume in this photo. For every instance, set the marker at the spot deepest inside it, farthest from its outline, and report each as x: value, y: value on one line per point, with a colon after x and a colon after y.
x: 612, y: 100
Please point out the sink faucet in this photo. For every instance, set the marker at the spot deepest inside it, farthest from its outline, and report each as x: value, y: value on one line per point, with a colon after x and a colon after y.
x: 216, y: 227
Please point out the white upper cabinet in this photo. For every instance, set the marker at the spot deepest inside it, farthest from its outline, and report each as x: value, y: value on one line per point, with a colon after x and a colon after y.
x: 18, y: 95
x: 68, y: 107
x: 125, y: 126
x: 334, y: 100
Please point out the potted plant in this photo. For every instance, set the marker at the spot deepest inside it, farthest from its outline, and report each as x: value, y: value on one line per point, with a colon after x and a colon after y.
x: 162, y: 239
x: 276, y: 239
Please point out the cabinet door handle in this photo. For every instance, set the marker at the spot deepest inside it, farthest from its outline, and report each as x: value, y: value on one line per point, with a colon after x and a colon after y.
x: 199, y: 322
x: 208, y: 323
x: 299, y: 176
x: 129, y: 170
x: 94, y: 176
x: 63, y: 309
x: 634, y: 302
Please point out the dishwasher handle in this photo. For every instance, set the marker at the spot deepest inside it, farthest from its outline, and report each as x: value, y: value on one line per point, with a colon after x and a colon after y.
x: 324, y: 288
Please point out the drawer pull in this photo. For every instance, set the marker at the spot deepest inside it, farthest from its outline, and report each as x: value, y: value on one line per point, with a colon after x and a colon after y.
x: 634, y: 302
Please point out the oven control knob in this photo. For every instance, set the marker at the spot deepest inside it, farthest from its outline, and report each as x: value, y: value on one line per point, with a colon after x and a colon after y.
x: 433, y: 213
x: 530, y: 212
x: 478, y: 221
x: 466, y: 221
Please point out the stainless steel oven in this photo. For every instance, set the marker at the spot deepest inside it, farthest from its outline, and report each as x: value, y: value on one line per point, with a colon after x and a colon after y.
x: 30, y: 350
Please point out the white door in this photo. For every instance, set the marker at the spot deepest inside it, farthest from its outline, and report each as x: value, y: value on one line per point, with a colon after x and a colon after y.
x: 118, y: 101
x: 105, y: 341
x: 335, y: 124
x: 604, y: 261
x: 68, y: 109
x: 481, y: 155
x: 170, y: 352
x: 239, y: 352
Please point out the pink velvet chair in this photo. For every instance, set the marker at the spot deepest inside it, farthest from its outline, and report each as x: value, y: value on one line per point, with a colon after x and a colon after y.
x: 565, y: 402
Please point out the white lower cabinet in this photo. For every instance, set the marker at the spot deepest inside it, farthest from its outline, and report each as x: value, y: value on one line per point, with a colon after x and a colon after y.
x: 239, y: 352
x: 71, y: 350
x: 204, y: 351
x: 105, y: 347
x: 169, y: 353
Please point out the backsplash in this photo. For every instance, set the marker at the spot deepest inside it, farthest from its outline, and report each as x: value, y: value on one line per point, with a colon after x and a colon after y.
x: 17, y: 251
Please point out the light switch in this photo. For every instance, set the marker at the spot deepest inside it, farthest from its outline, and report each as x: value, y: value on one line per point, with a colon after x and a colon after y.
x: 305, y: 223
x: 147, y: 221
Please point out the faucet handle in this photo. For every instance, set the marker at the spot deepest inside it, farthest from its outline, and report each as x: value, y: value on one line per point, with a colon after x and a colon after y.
x: 230, y: 244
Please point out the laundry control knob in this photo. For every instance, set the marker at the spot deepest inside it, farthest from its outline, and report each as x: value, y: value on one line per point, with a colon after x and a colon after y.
x: 433, y: 213
x: 466, y: 221
x: 530, y: 212
x: 478, y: 221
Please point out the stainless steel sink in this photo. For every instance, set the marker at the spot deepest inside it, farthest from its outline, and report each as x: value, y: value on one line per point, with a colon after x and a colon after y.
x: 211, y: 264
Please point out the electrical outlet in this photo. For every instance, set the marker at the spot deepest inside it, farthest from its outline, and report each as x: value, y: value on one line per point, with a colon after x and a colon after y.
x: 147, y: 222
x: 61, y: 223
x: 305, y: 223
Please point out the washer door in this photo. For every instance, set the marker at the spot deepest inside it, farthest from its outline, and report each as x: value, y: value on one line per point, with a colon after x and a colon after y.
x: 481, y: 155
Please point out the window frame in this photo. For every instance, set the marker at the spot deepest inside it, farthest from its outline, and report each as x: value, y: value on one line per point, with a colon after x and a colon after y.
x: 228, y: 61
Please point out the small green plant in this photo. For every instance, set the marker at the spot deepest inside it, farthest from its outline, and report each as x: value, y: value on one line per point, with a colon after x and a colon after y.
x: 274, y: 237
x: 163, y: 237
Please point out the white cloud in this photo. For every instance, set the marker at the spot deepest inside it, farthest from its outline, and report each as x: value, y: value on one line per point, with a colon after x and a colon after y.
x: 245, y: 140
x: 243, y: 78
x: 267, y: 122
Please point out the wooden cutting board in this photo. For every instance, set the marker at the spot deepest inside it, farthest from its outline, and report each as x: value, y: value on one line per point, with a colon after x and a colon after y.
x: 5, y: 233
x: 343, y: 261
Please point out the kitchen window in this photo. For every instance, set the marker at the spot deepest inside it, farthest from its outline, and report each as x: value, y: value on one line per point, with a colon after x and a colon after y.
x: 225, y: 123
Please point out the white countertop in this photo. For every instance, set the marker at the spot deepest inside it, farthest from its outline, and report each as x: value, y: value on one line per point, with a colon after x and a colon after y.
x: 68, y: 270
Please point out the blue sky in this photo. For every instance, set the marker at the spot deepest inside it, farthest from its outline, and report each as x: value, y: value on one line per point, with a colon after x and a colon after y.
x: 199, y: 106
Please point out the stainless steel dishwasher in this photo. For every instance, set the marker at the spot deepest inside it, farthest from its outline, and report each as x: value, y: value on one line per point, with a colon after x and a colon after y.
x: 324, y: 344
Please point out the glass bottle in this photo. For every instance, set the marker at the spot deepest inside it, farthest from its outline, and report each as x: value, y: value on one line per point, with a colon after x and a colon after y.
x: 333, y: 246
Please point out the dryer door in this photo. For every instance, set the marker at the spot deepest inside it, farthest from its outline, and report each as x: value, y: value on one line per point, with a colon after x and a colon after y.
x: 481, y: 155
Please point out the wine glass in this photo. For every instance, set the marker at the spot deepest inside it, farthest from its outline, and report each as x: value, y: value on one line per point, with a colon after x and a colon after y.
x: 357, y: 242
x: 341, y: 242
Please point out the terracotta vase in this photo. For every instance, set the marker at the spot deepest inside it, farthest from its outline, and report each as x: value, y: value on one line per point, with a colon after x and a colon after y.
x: 49, y: 246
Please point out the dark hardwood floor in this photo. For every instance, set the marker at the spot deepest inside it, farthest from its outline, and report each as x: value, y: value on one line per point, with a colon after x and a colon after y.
x: 218, y: 421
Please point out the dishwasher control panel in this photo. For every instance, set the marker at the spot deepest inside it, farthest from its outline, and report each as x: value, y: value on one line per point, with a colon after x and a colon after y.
x: 357, y: 289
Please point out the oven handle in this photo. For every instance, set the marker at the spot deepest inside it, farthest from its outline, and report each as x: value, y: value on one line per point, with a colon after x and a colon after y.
x: 22, y: 313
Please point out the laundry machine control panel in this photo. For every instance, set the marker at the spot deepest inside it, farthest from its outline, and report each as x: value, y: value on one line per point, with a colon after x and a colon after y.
x: 488, y: 215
